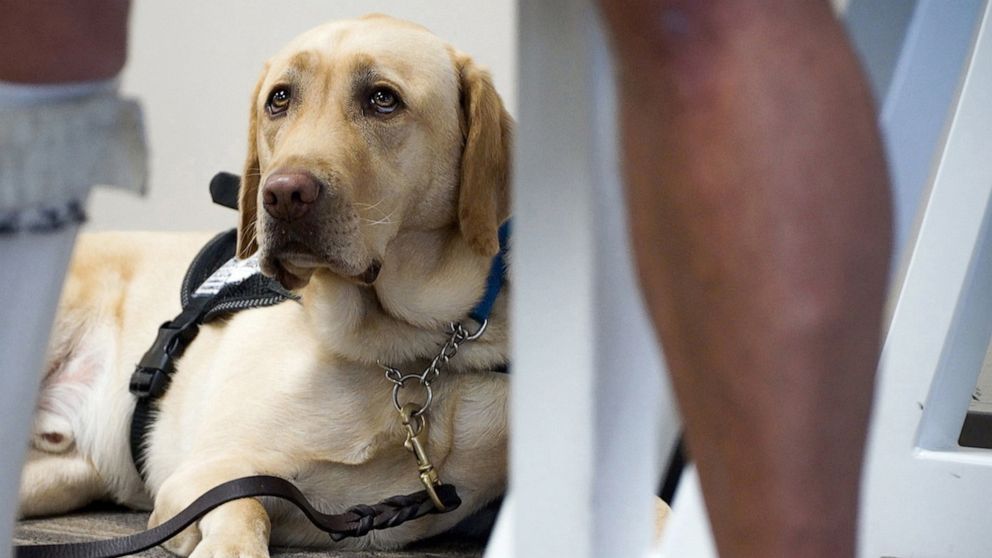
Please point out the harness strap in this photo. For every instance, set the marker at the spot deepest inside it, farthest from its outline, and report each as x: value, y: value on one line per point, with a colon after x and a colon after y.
x: 153, y: 374
x: 215, y: 285
x: 355, y: 522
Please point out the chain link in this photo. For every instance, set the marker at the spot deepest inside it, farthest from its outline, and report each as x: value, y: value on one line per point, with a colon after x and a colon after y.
x: 457, y: 334
x: 413, y: 414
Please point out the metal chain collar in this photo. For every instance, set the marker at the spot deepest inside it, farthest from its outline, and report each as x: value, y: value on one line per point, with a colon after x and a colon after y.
x: 457, y: 334
x: 413, y: 415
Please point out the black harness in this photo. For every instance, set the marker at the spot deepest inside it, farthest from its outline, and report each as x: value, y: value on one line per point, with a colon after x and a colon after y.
x: 215, y: 285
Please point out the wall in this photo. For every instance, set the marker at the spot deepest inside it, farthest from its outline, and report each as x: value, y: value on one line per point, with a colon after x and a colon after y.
x: 193, y: 65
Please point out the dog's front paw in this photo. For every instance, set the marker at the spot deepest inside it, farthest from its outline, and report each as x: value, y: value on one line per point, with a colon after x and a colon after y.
x: 230, y: 546
x: 181, y: 544
x: 185, y: 543
x: 663, y: 515
x: 238, y: 529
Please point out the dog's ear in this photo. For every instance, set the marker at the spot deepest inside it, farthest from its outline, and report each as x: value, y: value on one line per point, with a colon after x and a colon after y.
x: 484, y: 191
x: 248, y: 193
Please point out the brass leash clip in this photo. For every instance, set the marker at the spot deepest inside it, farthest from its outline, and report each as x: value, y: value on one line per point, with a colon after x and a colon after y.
x: 416, y: 426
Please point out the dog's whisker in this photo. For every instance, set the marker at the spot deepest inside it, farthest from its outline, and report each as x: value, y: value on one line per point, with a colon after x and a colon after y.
x: 370, y: 206
x: 250, y: 232
x: 384, y: 220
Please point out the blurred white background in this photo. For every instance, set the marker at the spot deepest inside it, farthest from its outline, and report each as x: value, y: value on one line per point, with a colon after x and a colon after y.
x: 193, y: 65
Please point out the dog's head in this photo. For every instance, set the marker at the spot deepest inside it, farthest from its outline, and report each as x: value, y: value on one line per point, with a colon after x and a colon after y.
x: 360, y: 131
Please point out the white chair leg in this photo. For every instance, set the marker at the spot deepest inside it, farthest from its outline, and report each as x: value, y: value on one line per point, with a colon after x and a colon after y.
x: 31, y: 270
x: 925, y: 495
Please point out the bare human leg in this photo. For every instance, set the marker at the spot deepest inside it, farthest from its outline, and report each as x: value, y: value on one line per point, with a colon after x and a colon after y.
x: 759, y: 206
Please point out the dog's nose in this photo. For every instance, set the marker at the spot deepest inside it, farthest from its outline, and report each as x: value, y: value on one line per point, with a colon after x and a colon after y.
x: 288, y: 196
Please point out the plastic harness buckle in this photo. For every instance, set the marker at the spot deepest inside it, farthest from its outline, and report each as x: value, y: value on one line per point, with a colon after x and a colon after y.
x: 153, y: 373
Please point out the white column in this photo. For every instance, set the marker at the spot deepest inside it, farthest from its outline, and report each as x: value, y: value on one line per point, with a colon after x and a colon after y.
x: 588, y: 398
x: 554, y: 345
x: 637, y: 424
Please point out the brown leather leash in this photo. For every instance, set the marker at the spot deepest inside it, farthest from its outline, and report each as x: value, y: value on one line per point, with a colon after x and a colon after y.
x: 355, y: 522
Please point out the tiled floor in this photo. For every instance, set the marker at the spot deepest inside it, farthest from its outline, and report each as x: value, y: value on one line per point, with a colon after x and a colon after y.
x: 103, y: 523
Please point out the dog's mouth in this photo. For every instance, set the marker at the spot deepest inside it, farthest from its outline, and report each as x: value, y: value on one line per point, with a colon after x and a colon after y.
x: 293, y: 270
x: 295, y: 263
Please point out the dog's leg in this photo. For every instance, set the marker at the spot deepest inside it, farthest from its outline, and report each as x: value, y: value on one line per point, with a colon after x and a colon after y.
x: 57, y: 483
x: 662, y: 516
x: 238, y: 529
x: 57, y: 476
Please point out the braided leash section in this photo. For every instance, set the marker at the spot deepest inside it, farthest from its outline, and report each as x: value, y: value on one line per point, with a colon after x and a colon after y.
x: 394, y: 511
x: 355, y: 522
x: 366, y: 520
x: 406, y: 508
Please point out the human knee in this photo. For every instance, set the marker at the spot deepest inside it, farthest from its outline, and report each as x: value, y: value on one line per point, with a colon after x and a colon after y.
x: 705, y: 31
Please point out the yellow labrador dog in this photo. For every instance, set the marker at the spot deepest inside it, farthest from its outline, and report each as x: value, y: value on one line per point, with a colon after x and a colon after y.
x: 376, y: 180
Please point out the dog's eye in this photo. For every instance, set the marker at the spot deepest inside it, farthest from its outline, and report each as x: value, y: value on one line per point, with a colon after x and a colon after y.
x: 384, y: 101
x: 278, y: 101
